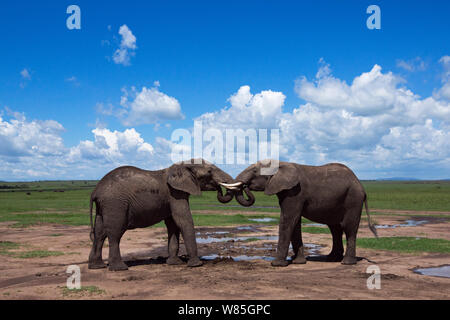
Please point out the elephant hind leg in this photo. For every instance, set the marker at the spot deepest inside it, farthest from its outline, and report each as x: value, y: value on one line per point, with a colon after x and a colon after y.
x: 115, y: 260
x: 115, y: 223
x: 350, y: 226
x: 95, y: 257
x: 337, y: 252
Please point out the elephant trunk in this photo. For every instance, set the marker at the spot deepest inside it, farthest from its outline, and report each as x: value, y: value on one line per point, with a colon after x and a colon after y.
x: 241, y: 199
x: 224, y: 198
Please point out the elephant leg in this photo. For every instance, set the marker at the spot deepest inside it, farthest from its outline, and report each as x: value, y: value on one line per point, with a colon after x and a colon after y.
x: 95, y: 257
x: 115, y: 222
x: 337, y: 252
x: 173, y: 242
x: 181, y: 214
x: 291, y: 208
x: 297, y: 244
x: 350, y: 225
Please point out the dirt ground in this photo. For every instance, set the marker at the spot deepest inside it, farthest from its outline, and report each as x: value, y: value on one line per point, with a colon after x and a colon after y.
x: 247, y: 276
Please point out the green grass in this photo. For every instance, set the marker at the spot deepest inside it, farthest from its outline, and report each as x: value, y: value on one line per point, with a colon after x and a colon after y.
x: 405, y: 244
x: 251, y: 239
x: 7, y: 246
x: 409, y: 195
x: 37, y: 254
x: 90, y: 290
x: 316, y: 230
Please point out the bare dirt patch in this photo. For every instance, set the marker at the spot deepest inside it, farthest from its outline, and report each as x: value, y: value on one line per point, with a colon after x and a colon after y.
x: 221, y: 277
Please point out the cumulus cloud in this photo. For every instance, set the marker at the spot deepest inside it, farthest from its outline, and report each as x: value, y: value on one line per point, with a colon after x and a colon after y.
x: 247, y: 110
x: 20, y: 137
x: 375, y: 124
x: 127, y: 46
x: 147, y: 106
x: 113, y: 147
x: 35, y: 150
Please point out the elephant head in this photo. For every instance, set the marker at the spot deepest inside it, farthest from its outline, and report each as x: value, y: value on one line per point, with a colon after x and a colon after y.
x: 272, y: 181
x: 196, y: 175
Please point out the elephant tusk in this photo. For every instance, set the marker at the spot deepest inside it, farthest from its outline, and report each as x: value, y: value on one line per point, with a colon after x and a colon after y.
x: 231, y: 186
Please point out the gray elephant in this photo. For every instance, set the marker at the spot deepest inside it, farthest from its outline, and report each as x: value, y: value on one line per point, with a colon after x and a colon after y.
x: 330, y: 194
x: 129, y: 198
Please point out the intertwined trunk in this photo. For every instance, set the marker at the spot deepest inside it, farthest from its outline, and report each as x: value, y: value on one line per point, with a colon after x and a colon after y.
x: 224, y: 198
x: 241, y: 199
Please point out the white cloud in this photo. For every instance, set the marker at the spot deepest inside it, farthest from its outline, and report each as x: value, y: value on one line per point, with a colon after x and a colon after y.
x: 370, y: 93
x: 35, y: 150
x: 113, y: 147
x: 247, y: 110
x: 19, y: 137
x: 148, y: 107
x: 412, y: 65
x: 375, y: 124
x: 127, y: 46
x: 444, y: 91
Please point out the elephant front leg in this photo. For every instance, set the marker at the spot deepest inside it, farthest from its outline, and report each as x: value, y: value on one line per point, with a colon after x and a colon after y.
x: 289, y: 218
x: 173, y: 242
x: 297, y: 244
x: 183, y: 219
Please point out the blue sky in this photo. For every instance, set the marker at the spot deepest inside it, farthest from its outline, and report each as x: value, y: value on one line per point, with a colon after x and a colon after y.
x: 58, y: 85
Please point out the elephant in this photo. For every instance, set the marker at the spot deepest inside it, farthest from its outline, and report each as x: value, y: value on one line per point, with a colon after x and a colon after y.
x: 128, y: 198
x: 330, y: 194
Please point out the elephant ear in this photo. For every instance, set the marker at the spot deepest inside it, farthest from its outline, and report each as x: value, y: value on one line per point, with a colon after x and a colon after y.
x: 286, y: 178
x: 181, y: 178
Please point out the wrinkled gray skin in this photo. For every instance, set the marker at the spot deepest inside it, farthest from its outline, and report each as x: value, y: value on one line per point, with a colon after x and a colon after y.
x: 330, y: 194
x: 129, y: 198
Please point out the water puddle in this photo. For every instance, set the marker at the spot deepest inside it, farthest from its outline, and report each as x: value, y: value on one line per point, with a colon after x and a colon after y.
x: 209, y: 239
x: 239, y: 206
x: 408, y: 223
x: 312, y: 250
x: 262, y: 219
x: 314, y: 225
x: 443, y: 271
x: 246, y: 228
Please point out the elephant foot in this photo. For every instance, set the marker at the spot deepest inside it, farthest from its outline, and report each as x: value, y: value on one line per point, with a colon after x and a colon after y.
x: 349, y: 260
x: 173, y: 261
x: 96, y: 265
x: 299, y: 260
x: 332, y: 257
x: 194, y: 262
x: 279, y: 263
x: 118, y: 266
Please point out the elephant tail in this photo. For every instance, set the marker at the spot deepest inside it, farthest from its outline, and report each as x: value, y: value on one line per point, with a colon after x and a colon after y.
x: 371, y: 226
x: 91, y: 202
